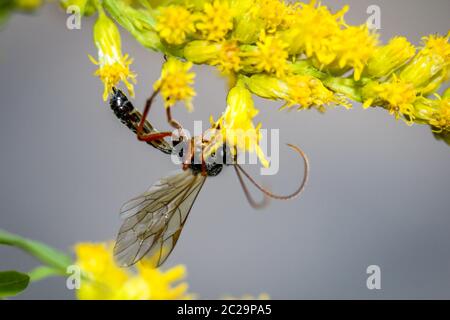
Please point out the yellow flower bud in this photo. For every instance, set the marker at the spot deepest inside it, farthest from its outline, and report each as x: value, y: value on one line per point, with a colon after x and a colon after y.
x: 304, y: 91
x: 397, y: 95
x: 441, y: 117
x: 236, y: 124
x: 248, y: 26
x: 267, y: 87
x: 433, y: 59
x: 390, y: 57
x: 201, y: 51
x: 424, y: 109
x: 113, y: 66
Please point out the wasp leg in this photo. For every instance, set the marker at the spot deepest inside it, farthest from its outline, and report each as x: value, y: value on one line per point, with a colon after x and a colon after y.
x: 140, y: 129
x: 174, y: 123
x: 154, y: 136
x: 189, y: 155
x: 150, y: 136
x: 204, y: 172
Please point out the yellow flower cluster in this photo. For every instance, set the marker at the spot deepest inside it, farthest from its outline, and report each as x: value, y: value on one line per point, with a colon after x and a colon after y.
x: 302, y: 54
x: 303, y: 91
x: 408, y: 79
x: 174, y: 24
x: 441, y: 117
x: 399, y: 96
x: 235, y: 126
x: 435, y: 112
x: 103, y: 280
x: 216, y: 20
x: 270, y: 56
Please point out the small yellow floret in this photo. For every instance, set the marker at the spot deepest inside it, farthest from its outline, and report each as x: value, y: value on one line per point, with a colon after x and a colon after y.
x: 270, y: 56
x: 216, y: 20
x: 175, y: 83
x: 397, y: 94
x: 113, y: 67
x: 228, y: 60
x: 174, y: 24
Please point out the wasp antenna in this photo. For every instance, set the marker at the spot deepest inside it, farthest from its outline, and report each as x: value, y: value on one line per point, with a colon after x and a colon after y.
x: 275, y: 196
x: 251, y: 201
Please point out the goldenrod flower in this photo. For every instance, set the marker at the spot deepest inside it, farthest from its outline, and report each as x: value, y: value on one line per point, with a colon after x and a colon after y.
x: 174, y: 24
x: 272, y: 12
x: 390, y: 57
x: 113, y: 67
x: 430, y: 63
x: 236, y: 126
x: 441, y: 117
x: 226, y: 55
x: 397, y: 95
x: 216, y: 20
x: 312, y: 30
x: 248, y: 24
x: 353, y: 47
x: 306, y: 91
x: 103, y: 280
x: 435, y: 44
x: 303, y: 91
x: 270, y: 55
x: 201, y: 51
x: 267, y: 87
x: 229, y: 58
x: 175, y: 83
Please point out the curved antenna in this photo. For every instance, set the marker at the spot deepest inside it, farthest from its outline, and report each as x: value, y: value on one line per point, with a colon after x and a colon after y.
x: 275, y: 196
x: 251, y: 201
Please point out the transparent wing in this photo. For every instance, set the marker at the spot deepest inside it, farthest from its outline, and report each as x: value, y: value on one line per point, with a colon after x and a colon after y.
x: 154, y: 220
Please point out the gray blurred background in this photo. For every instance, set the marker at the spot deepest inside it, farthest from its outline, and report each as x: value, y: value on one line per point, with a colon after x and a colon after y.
x: 378, y: 190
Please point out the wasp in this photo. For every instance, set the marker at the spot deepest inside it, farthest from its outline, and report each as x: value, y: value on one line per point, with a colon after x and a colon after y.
x: 153, y: 221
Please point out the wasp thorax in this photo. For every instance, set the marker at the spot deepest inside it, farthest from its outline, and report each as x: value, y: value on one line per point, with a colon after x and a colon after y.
x: 200, y: 161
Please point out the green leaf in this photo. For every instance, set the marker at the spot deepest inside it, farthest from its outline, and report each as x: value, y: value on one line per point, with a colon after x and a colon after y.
x: 43, y: 272
x: 12, y: 283
x: 49, y: 256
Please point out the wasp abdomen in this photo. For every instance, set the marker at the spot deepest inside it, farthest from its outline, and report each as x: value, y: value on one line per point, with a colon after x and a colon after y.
x: 129, y: 116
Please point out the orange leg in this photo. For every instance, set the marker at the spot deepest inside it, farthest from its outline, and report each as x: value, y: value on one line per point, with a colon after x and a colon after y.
x: 151, y: 136
x: 204, y: 173
x: 189, y: 155
x: 174, y: 123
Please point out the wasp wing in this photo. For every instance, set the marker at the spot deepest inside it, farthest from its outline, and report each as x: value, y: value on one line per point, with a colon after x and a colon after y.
x: 154, y: 220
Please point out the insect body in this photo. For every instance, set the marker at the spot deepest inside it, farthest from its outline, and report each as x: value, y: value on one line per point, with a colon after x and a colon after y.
x: 128, y: 115
x: 153, y: 221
